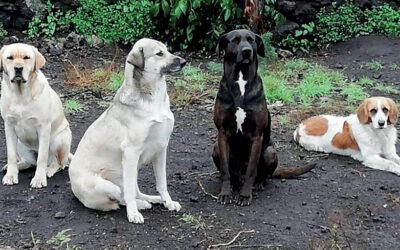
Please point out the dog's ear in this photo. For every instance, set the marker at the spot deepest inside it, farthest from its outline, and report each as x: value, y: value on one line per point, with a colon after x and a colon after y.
x: 136, y: 58
x: 39, y: 59
x: 221, y: 46
x: 393, y: 112
x: 363, y: 113
x: 260, y: 46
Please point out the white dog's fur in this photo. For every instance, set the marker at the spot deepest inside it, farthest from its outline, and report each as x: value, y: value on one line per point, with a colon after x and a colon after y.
x: 133, y: 131
x: 364, y: 139
x: 37, y: 132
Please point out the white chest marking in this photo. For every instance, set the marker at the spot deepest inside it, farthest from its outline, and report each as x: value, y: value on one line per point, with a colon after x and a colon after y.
x: 240, y: 116
x: 242, y: 83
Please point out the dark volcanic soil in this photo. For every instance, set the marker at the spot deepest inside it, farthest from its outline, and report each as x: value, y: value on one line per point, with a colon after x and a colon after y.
x: 339, y: 204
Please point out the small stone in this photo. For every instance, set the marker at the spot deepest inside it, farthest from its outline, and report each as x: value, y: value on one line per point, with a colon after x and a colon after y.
x: 304, y: 203
x: 60, y: 215
x: 288, y: 227
x: 194, y: 199
x: 377, y: 76
x: 114, y: 231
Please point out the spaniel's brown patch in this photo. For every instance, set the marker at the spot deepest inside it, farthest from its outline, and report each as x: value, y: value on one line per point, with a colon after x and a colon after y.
x: 345, y: 139
x: 316, y: 125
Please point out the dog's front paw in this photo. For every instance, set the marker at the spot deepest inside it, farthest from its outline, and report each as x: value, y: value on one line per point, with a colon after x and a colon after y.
x: 173, y: 206
x: 39, y: 181
x: 135, y: 217
x: 142, y: 204
x: 244, y: 200
x: 225, y: 197
x: 10, y: 179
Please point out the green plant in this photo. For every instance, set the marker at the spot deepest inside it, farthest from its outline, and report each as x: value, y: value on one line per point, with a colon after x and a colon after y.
x: 316, y: 83
x: 383, y: 19
x: 123, y: 21
x: 73, y: 106
x: 353, y: 93
x: 386, y: 89
x: 116, y: 80
x: 302, y: 40
x: 196, y: 223
x: 215, y: 68
x: 394, y: 66
x: 365, y: 81
x: 272, y: 15
x: 276, y: 89
x: 53, y: 21
x: 60, y: 238
x: 192, y: 23
x: 3, y: 32
x: 374, y: 65
x: 270, y: 50
x: 338, y: 25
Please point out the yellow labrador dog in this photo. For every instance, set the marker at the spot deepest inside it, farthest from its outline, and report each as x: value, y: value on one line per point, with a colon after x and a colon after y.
x: 37, y: 133
x: 133, y: 131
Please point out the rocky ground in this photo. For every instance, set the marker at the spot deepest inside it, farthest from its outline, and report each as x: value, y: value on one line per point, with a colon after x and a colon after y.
x: 340, y: 204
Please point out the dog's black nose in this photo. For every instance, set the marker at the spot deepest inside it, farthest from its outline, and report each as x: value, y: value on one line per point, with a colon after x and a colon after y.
x: 381, y: 123
x: 246, y: 51
x: 18, y: 69
x: 182, y: 62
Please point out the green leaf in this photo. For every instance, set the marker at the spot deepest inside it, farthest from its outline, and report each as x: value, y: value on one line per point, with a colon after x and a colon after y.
x: 227, y: 15
x: 182, y: 5
x: 155, y: 9
x: 298, y: 33
x: 165, y: 7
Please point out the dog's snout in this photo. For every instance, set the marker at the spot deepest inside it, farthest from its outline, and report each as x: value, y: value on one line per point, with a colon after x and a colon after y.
x: 18, y: 69
x: 182, y: 62
x: 246, y: 51
x: 381, y: 123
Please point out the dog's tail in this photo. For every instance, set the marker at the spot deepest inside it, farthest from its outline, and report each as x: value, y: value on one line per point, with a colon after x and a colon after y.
x: 292, y: 172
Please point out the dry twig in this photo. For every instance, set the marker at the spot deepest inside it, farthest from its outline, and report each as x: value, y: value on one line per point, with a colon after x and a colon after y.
x: 204, y: 190
x: 230, y: 242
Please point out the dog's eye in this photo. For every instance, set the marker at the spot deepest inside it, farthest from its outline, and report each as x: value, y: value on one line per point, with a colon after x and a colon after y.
x: 160, y: 53
x: 373, y: 111
x: 250, y: 39
x: 27, y: 57
x: 236, y: 39
x: 385, y: 110
x: 10, y: 58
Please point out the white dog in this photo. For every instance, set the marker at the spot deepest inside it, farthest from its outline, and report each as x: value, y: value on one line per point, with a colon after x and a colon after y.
x: 133, y: 131
x: 368, y: 136
x: 37, y: 132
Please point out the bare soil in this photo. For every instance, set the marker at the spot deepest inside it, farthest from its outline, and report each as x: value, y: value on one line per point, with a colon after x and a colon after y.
x: 339, y: 204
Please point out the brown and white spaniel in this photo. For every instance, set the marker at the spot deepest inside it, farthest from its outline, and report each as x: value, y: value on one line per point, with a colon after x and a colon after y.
x: 368, y: 136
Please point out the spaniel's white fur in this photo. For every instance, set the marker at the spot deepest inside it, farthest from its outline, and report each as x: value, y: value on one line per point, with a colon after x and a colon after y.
x: 368, y: 136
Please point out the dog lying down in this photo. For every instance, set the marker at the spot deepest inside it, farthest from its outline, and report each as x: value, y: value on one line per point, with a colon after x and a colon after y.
x: 368, y: 136
x: 37, y: 133
x: 133, y: 131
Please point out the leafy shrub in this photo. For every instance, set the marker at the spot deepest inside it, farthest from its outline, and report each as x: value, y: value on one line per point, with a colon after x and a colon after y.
x: 3, y: 32
x: 196, y: 23
x: 342, y: 23
x: 383, y: 19
x: 54, y: 21
x: 339, y: 25
x: 125, y: 21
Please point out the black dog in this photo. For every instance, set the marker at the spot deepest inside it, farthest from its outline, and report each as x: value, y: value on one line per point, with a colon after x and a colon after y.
x: 243, y: 153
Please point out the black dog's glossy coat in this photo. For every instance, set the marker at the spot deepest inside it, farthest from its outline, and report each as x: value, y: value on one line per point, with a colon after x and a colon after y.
x: 244, y: 158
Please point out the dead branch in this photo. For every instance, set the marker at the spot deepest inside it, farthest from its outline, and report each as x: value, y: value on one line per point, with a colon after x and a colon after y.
x: 230, y: 242
x: 204, y: 190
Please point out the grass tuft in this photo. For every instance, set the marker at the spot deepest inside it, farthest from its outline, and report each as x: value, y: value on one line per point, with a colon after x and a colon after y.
x: 72, y: 106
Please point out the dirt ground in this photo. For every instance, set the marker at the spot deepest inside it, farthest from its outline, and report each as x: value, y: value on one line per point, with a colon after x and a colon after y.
x: 340, y: 204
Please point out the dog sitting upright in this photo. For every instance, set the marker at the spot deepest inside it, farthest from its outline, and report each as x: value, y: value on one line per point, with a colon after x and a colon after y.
x: 133, y: 131
x: 244, y: 153
x: 37, y: 132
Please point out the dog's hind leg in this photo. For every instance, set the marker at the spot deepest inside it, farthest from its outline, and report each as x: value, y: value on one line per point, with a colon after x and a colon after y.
x: 268, y: 164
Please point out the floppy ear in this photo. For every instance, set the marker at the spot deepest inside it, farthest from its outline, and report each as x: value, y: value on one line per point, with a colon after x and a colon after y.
x: 260, y: 46
x: 39, y: 59
x: 136, y: 58
x: 221, y: 46
x: 393, y: 113
x: 362, y: 113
